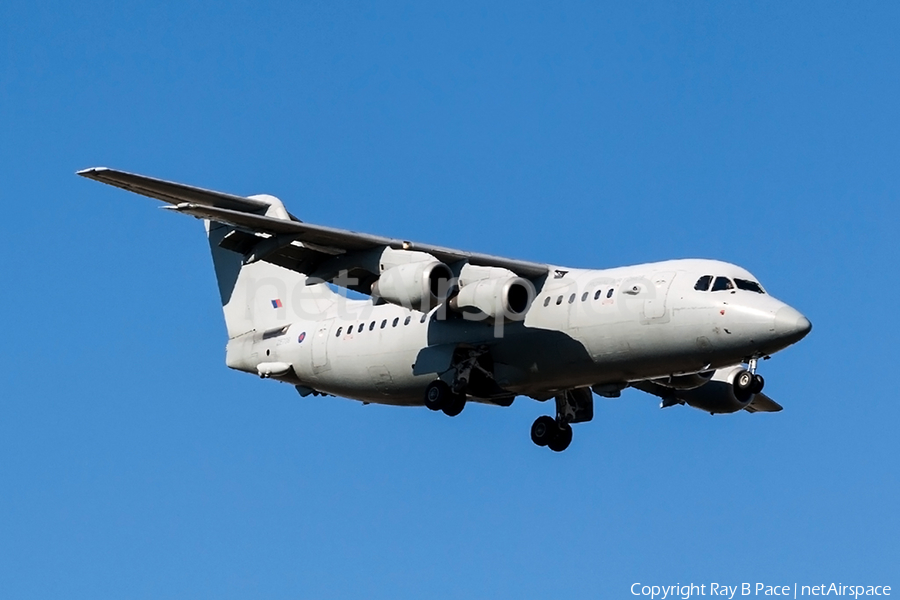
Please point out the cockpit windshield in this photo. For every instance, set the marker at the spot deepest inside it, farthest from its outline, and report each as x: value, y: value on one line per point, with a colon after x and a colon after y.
x: 703, y: 283
x: 721, y: 284
x: 750, y: 286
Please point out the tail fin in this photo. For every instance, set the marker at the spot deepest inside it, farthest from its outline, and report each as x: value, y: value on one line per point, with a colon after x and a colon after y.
x: 260, y: 295
x: 255, y: 294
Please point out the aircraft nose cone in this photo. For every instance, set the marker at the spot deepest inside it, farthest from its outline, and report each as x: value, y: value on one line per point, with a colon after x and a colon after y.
x: 791, y: 325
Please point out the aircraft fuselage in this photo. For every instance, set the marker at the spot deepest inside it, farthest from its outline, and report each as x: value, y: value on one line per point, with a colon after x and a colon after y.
x: 584, y: 328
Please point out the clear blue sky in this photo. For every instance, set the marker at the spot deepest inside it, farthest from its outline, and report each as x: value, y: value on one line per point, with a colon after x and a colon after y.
x: 134, y: 464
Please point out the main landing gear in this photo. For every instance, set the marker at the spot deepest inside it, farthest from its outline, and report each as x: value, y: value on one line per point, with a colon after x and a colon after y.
x: 547, y: 431
x: 572, y: 406
x: 470, y: 374
x: 439, y: 396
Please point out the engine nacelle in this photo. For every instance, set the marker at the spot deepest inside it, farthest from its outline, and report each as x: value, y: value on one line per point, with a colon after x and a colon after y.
x: 718, y: 395
x: 415, y: 280
x: 492, y: 293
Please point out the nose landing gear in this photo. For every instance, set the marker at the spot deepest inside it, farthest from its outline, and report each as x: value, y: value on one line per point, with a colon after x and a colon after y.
x: 748, y: 383
x: 572, y: 406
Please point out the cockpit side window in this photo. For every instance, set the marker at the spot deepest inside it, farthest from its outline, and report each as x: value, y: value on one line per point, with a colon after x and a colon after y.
x: 702, y: 284
x: 722, y: 283
x: 750, y: 286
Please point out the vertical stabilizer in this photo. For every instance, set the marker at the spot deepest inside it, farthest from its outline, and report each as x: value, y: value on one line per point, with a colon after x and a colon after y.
x: 260, y: 296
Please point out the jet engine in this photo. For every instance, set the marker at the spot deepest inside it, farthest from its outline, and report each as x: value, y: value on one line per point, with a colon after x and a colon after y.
x: 412, y: 279
x: 728, y: 390
x: 493, y: 293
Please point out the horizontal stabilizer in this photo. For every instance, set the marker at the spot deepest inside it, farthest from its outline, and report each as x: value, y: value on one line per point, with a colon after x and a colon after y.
x: 173, y: 193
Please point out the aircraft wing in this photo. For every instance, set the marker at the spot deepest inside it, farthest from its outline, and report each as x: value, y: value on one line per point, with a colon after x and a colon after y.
x: 762, y: 403
x: 316, y: 250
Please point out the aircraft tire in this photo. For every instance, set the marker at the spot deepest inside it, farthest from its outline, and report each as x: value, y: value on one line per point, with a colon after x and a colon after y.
x: 743, y: 385
x: 562, y: 439
x: 758, y: 384
x: 543, y: 431
x: 454, y: 405
x: 437, y: 395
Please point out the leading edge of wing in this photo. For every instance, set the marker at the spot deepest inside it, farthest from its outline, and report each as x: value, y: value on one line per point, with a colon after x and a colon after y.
x: 246, y: 213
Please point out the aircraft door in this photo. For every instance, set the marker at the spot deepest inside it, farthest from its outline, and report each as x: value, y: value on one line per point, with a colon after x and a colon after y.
x: 320, y: 346
x: 655, y: 304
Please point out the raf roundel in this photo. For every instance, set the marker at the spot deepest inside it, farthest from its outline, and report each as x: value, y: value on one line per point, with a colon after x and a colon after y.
x: 301, y: 337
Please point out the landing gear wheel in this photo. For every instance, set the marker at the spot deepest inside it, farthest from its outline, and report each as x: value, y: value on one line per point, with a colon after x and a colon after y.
x: 562, y: 439
x: 543, y: 431
x: 454, y: 405
x: 743, y: 384
x: 758, y: 384
x: 437, y: 395
x: 743, y: 380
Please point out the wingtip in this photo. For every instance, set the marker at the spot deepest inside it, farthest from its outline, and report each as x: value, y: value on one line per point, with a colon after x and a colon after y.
x: 91, y: 171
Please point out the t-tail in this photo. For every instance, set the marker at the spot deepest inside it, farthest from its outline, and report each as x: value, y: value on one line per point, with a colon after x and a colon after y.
x: 257, y: 293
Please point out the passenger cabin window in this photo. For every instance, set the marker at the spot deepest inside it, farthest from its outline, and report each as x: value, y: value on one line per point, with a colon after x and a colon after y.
x: 338, y: 334
x: 396, y: 320
x: 571, y: 298
x: 749, y: 286
x: 371, y: 325
x: 384, y: 324
x: 584, y: 296
x: 609, y: 293
x: 424, y: 316
x: 721, y: 284
x: 702, y: 284
x: 547, y: 301
x: 597, y: 294
x: 559, y: 301
x: 407, y: 320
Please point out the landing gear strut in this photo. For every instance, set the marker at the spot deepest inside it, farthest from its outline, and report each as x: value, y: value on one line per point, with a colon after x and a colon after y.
x: 758, y: 381
x: 463, y: 369
x: 572, y: 406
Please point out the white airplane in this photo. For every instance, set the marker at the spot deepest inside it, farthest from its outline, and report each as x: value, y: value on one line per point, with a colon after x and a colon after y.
x: 443, y: 327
